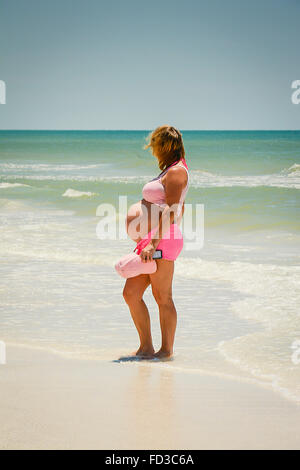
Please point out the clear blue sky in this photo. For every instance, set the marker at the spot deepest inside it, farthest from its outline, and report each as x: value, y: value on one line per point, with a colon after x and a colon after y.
x: 127, y: 64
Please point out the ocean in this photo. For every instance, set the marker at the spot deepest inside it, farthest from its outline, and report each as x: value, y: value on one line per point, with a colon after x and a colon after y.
x: 237, y: 296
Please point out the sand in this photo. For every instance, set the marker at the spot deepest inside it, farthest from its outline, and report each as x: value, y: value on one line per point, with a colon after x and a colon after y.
x: 52, y: 402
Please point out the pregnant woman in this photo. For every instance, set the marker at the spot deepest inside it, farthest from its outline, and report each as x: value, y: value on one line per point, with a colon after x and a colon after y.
x: 156, y: 219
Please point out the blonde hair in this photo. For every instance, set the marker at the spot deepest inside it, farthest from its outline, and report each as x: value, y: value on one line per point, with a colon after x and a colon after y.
x: 166, y: 144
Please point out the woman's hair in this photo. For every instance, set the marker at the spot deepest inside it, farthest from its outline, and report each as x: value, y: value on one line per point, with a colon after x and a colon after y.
x: 166, y: 144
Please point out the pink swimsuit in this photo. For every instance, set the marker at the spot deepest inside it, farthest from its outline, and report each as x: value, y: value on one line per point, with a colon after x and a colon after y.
x: 171, y: 243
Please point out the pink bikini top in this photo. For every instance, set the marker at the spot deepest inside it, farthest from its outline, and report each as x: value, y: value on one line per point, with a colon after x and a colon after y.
x: 154, y: 191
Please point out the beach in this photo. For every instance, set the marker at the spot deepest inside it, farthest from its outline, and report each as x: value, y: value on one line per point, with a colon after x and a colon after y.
x: 234, y: 381
x: 50, y: 402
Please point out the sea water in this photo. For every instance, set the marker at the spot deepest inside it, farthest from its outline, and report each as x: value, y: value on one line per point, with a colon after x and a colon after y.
x: 237, y: 297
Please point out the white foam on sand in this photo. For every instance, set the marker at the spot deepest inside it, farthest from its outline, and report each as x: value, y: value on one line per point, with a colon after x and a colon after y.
x: 272, y: 299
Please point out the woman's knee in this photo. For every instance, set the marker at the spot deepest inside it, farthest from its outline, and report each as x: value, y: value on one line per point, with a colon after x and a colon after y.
x: 162, y: 297
x: 129, y: 294
x: 133, y: 293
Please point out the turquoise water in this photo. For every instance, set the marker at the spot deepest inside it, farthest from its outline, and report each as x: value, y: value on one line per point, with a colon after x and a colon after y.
x: 247, y: 180
x: 237, y: 298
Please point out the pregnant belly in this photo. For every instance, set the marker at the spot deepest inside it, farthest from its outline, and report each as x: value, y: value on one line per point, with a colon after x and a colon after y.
x: 141, y: 219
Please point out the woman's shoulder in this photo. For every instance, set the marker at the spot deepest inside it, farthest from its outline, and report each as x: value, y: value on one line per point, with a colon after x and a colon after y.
x: 177, y: 174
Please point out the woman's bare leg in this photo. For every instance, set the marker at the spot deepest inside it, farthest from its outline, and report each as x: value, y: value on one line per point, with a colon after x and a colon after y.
x: 161, y: 283
x: 133, y: 295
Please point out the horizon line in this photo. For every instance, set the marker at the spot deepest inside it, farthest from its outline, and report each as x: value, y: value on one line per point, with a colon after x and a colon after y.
x: 149, y: 130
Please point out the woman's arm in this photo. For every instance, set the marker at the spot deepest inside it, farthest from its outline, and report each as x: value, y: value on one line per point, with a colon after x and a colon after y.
x: 174, y: 184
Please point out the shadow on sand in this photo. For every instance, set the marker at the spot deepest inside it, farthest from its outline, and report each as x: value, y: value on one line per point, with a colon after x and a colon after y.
x: 134, y: 358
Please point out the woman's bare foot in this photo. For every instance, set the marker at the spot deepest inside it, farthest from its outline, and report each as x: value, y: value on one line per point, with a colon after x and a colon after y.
x: 145, y: 352
x: 163, y: 354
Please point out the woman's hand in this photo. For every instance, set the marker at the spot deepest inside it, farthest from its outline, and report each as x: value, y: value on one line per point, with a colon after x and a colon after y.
x: 147, y: 252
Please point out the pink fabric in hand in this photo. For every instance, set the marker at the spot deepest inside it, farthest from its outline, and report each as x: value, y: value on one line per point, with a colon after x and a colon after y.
x: 131, y: 265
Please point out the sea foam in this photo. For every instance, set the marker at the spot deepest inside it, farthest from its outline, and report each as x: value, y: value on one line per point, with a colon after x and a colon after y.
x: 12, y: 185
x: 74, y: 193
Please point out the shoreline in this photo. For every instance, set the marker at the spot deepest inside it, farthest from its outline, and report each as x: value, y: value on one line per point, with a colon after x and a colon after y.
x: 112, y: 357
x: 51, y: 402
x: 281, y: 392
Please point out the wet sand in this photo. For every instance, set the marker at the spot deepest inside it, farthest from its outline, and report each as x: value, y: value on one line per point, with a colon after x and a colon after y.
x: 50, y: 402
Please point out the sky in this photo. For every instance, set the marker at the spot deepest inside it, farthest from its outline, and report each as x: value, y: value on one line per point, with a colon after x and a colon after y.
x: 193, y: 64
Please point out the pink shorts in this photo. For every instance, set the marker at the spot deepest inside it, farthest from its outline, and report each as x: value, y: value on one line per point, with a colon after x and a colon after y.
x: 171, y: 243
